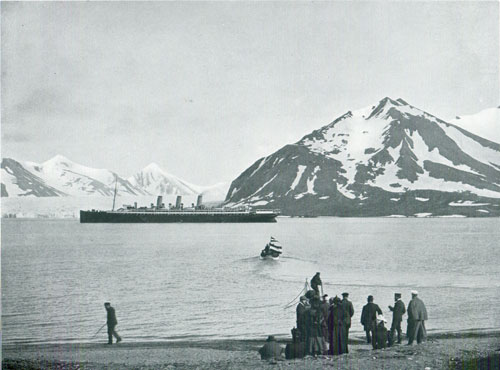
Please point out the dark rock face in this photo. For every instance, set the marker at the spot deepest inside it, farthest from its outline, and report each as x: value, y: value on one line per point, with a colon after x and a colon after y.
x: 26, y: 181
x: 388, y: 159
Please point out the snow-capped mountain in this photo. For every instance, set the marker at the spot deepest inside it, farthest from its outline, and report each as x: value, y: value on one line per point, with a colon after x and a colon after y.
x: 74, y: 179
x: 154, y: 180
x: 60, y: 176
x: 485, y: 123
x: 17, y: 181
x: 386, y: 159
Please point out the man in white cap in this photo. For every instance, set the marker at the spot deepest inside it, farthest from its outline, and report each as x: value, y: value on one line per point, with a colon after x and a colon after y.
x: 379, y: 339
x: 417, y: 314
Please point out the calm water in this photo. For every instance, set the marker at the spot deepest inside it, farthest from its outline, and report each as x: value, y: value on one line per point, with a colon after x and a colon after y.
x: 193, y: 281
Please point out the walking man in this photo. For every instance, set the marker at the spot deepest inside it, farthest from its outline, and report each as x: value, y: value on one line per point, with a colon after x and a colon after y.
x: 111, y: 322
x: 346, y: 312
x: 417, y: 314
x: 397, y: 316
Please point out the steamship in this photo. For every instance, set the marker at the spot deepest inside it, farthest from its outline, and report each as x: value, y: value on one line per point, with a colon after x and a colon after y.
x: 160, y: 214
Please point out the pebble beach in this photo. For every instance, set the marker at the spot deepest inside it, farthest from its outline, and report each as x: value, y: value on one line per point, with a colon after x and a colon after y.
x: 463, y: 350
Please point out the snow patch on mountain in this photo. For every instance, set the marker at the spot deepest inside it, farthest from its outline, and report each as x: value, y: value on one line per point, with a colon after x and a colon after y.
x: 366, y: 156
x: 154, y: 180
x: 300, y: 172
x: 485, y: 123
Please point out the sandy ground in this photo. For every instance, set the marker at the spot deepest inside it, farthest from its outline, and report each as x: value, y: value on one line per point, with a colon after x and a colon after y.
x: 444, y: 351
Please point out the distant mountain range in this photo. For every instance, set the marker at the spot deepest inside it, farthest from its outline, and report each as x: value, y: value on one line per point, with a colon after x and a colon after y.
x: 60, y: 176
x: 387, y: 159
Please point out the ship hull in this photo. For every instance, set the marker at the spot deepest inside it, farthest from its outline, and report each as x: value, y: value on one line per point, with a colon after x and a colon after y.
x: 165, y: 217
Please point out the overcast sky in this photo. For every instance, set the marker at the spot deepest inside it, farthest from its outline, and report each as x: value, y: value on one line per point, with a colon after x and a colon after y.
x: 205, y: 89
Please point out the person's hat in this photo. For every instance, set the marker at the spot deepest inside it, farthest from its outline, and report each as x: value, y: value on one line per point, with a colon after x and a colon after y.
x: 107, y: 304
x: 317, y: 273
x: 270, y: 338
x: 303, y: 298
x: 397, y: 295
x: 345, y: 294
x: 414, y: 292
x: 324, y: 295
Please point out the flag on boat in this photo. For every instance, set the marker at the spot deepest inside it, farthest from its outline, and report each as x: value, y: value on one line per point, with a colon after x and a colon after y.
x: 275, y: 245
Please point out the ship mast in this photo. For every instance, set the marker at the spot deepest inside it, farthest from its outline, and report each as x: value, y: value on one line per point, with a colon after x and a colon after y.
x: 114, y: 196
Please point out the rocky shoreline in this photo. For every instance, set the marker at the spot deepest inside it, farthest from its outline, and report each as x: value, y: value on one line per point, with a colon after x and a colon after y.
x: 466, y: 350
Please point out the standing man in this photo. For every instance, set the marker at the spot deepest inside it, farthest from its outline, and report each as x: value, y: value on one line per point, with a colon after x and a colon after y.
x: 369, y: 319
x: 315, y: 283
x: 417, y: 314
x: 346, y: 312
x: 397, y: 316
x: 301, y: 309
x: 112, y: 322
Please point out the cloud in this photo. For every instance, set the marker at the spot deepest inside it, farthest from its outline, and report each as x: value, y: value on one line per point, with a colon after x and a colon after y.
x: 15, y: 137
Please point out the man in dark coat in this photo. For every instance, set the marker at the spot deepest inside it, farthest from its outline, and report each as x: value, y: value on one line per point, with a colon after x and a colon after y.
x: 346, y: 312
x: 112, y: 322
x: 316, y: 282
x: 417, y: 314
x: 369, y: 318
x: 301, y: 309
x: 271, y: 350
x: 397, y: 316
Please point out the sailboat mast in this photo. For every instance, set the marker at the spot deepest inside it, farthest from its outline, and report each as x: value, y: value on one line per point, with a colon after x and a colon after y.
x: 114, y: 196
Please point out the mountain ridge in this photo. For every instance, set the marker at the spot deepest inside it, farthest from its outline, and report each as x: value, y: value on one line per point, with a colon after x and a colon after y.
x: 60, y: 176
x: 368, y: 156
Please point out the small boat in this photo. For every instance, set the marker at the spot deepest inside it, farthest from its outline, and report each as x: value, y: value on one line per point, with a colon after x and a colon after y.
x: 272, y: 250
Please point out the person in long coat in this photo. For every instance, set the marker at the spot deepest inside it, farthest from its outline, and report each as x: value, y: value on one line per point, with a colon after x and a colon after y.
x: 325, y: 308
x: 315, y: 341
x: 397, y: 317
x: 334, y: 325
x: 301, y: 317
x: 417, y: 315
x: 347, y: 312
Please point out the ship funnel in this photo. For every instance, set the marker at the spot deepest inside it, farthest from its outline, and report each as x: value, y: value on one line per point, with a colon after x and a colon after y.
x: 159, y: 201
x: 199, y: 201
x: 178, y: 202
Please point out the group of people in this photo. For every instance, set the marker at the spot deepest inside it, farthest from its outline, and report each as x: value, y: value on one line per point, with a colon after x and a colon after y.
x: 323, y: 324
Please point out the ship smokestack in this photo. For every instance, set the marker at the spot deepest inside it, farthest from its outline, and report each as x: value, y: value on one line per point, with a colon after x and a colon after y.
x: 135, y: 205
x: 199, y: 201
x: 178, y: 202
x: 159, y: 201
